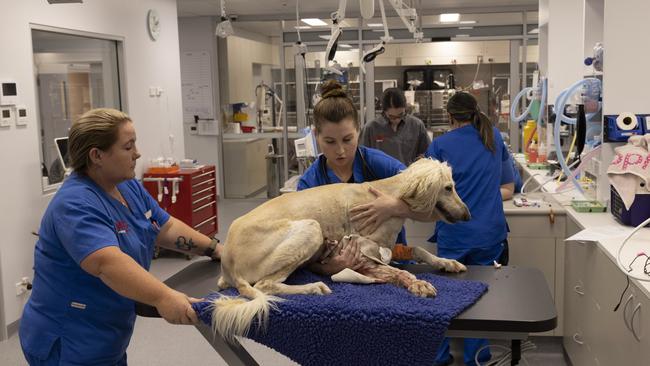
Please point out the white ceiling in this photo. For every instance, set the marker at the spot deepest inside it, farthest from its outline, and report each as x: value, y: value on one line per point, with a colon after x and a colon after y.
x: 285, y: 9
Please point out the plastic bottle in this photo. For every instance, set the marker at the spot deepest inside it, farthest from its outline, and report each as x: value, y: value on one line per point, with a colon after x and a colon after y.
x: 532, y: 152
x: 541, y: 153
x: 529, y: 133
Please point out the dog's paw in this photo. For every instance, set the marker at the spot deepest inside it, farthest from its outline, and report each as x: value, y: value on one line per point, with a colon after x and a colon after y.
x: 451, y: 265
x: 422, y: 289
x: 320, y: 288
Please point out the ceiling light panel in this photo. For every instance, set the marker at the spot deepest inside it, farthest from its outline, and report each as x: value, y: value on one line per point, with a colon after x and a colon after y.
x: 314, y: 22
x: 449, y: 17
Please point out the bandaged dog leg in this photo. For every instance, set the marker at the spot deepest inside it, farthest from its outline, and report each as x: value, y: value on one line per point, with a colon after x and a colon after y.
x: 401, y: 278
x: 449, y: 265
x: 402, y: 252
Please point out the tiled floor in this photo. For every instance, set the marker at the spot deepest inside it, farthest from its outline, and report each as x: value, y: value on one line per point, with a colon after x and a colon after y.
x: 157, y: 343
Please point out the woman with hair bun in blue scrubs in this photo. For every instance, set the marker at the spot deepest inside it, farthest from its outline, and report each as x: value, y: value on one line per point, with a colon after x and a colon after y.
x: 482, y: 170
x: 344, y: 161
x: 95, y: 245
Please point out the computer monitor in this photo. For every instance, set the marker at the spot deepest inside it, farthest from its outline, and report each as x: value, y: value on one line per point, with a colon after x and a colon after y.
x: 62, y: 151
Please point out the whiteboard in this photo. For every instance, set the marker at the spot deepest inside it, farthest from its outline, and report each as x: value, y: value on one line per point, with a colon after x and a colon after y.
x: 196, y: 85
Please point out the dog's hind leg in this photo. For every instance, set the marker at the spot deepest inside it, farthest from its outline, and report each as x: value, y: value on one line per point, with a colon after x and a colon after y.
x: 222, y: 284
x: 302, y: 242
x: 449, y: 265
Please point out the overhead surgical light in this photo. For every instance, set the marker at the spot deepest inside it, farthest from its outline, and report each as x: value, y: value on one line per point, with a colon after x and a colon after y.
x: 380, y: 48
x: 337, y: 18
x: 314, y: 22
x: 367, y: 8
x: 407, y: 15
x: 224, y: 28
x: 449, y: 17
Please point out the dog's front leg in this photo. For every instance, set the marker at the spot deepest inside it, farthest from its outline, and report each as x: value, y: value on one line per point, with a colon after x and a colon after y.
x: 449, y: 265
x: 400, y: 277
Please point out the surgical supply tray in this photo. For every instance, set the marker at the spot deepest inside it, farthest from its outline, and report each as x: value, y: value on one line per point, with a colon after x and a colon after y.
x: 539, y: 166
x: 588, y: 206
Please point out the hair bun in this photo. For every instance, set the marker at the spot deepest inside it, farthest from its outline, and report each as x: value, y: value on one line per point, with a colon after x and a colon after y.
x: 332, y: 89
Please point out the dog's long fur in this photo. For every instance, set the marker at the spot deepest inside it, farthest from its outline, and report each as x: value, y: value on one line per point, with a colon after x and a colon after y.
x: 266, y: 245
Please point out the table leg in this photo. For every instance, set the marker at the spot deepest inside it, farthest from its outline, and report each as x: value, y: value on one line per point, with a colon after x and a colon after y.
x: 516, y: 352
x: 234, y: 354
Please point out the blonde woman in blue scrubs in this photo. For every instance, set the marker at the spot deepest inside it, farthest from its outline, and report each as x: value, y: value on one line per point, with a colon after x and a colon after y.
x: 96, y: 241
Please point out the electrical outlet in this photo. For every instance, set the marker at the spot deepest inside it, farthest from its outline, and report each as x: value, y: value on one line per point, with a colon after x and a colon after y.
x: 479, y: 59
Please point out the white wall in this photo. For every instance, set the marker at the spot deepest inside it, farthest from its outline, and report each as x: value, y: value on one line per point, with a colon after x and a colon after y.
x: 542, y: 25
x: 147, y: 63
x: 245, y: 49
x: 625, y: 75
x: 197, y: 34
x: 564, y: 44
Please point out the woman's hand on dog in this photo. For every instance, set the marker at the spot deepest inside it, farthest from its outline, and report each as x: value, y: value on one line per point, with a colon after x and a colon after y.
x: 371, y: 215
x: 176, y: 308
x: 342, y: 257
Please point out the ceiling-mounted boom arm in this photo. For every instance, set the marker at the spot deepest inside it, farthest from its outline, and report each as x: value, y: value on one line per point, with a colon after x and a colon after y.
x: 224, y: 28
x: 380, y: 48
x: 409, y: 17
x: 337, y: 18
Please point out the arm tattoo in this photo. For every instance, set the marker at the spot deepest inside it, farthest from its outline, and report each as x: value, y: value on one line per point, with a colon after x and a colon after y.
x: 185, y: 244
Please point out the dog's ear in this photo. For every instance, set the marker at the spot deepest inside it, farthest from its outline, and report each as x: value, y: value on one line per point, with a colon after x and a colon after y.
x: 421, y: 185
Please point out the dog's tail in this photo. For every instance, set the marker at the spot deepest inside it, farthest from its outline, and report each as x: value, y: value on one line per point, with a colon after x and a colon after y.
x: 233, y: 316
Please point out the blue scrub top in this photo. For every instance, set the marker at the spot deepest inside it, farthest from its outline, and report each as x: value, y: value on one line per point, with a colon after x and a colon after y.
x: 93, y: 322
x: 478, y: 174
x: 515, y: 175
x: 379, y: 163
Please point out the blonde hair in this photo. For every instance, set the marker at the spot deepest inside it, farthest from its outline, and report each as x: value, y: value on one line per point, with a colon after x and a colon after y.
x: 423, y: 181
x: 97, y: 128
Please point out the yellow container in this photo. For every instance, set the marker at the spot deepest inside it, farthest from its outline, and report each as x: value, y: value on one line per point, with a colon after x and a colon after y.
x: 240, y: 117
x: 530, y: 132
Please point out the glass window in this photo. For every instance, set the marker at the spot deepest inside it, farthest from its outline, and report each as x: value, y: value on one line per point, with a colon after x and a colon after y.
x: 73, y: 75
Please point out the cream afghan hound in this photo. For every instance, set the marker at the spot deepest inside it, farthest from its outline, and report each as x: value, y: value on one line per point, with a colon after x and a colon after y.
x: 266, y: 245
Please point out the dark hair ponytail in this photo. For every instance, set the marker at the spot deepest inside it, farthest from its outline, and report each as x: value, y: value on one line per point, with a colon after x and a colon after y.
x: 463, y: 107
x: 334, y: 106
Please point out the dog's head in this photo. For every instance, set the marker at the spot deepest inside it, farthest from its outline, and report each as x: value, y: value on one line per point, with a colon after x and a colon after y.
x: 428, y: 186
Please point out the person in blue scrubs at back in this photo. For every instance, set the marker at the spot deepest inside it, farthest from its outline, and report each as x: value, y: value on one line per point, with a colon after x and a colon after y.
x: 483, y: 172
x: 95, y: 245
x: 344, y: 161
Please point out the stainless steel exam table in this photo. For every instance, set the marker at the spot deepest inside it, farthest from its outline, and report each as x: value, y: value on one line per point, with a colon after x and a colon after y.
x: 518, y: 302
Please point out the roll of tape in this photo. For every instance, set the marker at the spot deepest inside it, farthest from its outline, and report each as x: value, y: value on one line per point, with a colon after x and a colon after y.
x: 626, y: 121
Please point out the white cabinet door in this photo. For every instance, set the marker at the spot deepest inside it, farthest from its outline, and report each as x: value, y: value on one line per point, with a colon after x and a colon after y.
x: 575, y: 302
x: 641, y: 324
x: 609, y: 328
